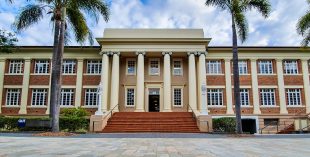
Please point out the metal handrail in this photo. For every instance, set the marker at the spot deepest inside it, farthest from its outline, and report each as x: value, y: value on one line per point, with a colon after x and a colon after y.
x: 303, y: 129
x: 277, y: 125
x: 193, y: 114
x: 111, y: 112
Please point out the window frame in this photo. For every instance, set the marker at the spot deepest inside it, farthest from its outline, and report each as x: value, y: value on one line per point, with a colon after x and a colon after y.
x: 217, y: 66
x: 266, y: 65
x: 242, y: 72
x: 150, y: 68
x: 287, y: 68
x: 92, y: 63
x: 71, y: 94
x: 244, y: 91
x: 34, y: 101
x: 220, y: 102
x: 181, y: 96
x: 174, y: 68
x: 127, y: 66
x: 18, y: 99
x: 126, y: 96
x: 91, y: 97
x: 18, y: 64
x: 73, y: 69
x: 295, y: 94
x: 46, y: 69
x: 271, y: 92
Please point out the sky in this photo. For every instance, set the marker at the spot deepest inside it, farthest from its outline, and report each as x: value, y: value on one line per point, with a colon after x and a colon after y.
x: 279, y: 29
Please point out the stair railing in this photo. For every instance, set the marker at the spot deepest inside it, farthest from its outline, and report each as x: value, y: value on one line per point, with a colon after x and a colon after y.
x: 193, y: 113
x: 111, y: 112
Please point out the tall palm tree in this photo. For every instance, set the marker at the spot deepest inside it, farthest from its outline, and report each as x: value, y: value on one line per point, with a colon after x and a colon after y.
x: 65, y: 14
x: 237, y: 9
x: 303, y: 27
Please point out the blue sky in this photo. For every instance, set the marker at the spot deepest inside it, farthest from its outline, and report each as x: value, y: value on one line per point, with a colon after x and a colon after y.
x: 277, y: 30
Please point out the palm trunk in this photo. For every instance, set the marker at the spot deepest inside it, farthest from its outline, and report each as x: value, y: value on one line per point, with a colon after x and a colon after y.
x: 236, y: 78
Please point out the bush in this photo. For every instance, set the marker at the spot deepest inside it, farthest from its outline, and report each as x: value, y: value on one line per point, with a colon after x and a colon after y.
x: 73, y: 123
x: 74, y: 112
x: 224, y: 125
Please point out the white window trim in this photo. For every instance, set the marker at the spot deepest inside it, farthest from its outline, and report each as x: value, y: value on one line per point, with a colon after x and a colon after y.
x: 96, y: 95
x: 17, y: 61
x: 44, y: 97
x: 260, y: 71
x: 288, y: 98
x: 248, y: 92
x: 126, y: 89
x: 222, y: 101
x: 135, y: 72
x: 285, y: 71
x: 182, y: 96
x: 47, y: 68
x: 18, y: 98
x: 74, y: 65
x: 154, y: 59
x: 181, y: 60
x: 88, y: 63
x: 275, y: 98
x: 72, y: 93
x: 246, y: 66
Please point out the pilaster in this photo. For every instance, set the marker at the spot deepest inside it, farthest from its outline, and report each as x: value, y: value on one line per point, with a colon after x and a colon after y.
x: 230, y: 109
x: 255, y: 89
x: 79, y: 83
x: 281, y: 88
x: 305, y: 72
x: 25, y: 87
x: 2, y: 70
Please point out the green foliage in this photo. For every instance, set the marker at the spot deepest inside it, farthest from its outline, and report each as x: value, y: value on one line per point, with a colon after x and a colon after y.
x: 74, y: 112
x: 73, y: 123
x: 224, y: 125
x: 7, y: 41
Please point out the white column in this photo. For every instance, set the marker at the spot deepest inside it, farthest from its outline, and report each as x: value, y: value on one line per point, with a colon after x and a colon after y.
x: 255, y: 92
x: 140, y: 82
x: 281, y: 88
x: 79, y: 83
x: 202, y: 84
x: 230, y: 109
x: 305, y: 72
x: 105, y: 81
x: 167, y: 81
x: 192, y: 80
x: 2, y: 70
x: 24, y: 96
x: 115, y: 81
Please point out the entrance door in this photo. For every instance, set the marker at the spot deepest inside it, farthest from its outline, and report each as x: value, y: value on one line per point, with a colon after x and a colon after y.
x: 154, y: 99
x: 249, y: 126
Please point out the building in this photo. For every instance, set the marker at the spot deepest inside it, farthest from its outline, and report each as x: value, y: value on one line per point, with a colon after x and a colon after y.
x: 160, y: 70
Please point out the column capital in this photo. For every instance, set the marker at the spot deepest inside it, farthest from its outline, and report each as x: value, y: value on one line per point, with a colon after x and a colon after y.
x: 199, y: 53
x: 192, y: 53
x: 166, y: 53
x: 227, y: 59
x: 279, y: 59
x: 27, y: 59
x: 2, y: 59
x: 108, y: 53
x: 253, y: 59
x: 302, y: 59
x: 140, y: 52
x: 116, y: 53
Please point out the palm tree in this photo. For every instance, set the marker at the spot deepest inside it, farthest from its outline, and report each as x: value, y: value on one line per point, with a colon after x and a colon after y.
x: 237, y: 9
x: 64, y: 14
x: 303, y: 27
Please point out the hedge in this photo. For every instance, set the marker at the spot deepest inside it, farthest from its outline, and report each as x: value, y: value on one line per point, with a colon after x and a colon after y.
x: 224, y: 125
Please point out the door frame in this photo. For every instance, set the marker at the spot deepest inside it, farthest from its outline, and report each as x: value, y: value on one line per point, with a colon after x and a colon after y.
x: 146, y: 91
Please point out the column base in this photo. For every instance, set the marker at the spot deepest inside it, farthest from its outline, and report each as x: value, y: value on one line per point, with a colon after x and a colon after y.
x: 167, y: 110
x: 230, y: 112
x: 204, y: 112
x: 99, y: 113
x: 257, y: 112
x: 283, y: 111
x: 22, y: 111
x: 139, y: 110
x: 205, y: 123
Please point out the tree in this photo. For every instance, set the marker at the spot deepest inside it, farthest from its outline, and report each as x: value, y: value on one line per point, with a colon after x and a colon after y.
x: 64, y: 14
x: 7, y: 41
x: 237, y: 9
x: 303, y: 27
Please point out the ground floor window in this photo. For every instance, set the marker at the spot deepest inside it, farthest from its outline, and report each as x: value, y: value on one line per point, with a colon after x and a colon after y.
x: 293, y: 97
x: 177, y: 97
x: 130, y: 97
x: 12, y: 97
x: 91, y: 97
x: 67, y: 97
x: 39, y: 97
x: 271, y: 121
x: 215, y: 97
x: 267, y: 97
x: 244, y: 97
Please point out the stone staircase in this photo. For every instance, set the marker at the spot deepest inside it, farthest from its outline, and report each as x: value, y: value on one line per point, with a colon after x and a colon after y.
x: 173, y: 122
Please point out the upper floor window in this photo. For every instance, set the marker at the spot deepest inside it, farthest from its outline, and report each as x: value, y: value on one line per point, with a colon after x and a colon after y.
x: 215, y: 97
x: 177, y: 67
x: 12, y: 97
x: 267, y: 97
x: 265, y: 67
x: 243, y: 67
x: 177, y: 97
x: 244, y: 97
x: 293, y: 97
x: 67, y: 97
x: 91, y: 97
x: 214, y: 67
x: 290, y: 67
x: 130, y: 97
x: 131, y: 67
x: 39, y: 97
x: 16, y: 67
x: 41, y: 67
x: 154, y: 67
x: 94, y: 66
x: 68, y: 66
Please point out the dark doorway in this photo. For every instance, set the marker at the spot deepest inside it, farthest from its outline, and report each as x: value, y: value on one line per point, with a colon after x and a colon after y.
x: 153, y: 103
x: 249, y: 126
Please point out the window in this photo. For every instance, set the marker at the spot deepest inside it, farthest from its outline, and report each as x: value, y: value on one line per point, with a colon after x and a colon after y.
x: 91, y: 97
x: 215, y: 97
x: 244, y: 97
x: 12, y: 97
x: 265, y: 67
x: 131, y: 67
x: 130, y: 97
x: 177, y: 67
x: 243, y: 67
x: 268, y: 122
x: 41, y: 67
x: 267, y: 97
x: 154, y: 67
x: 290, y: 67
x: 39, y: 97
x: 214, y: 67
x: 68, y: 66
x: 293, y: 97
x: 177, y: 97
x: 67, y: 96
x: 16, y: 67
x: 94, y: 67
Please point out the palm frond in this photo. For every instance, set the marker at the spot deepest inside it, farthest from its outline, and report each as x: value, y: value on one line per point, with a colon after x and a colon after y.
x: 78, y: 23
x: 223, y: 4
x: 303, y: 24
x: 263, y: 6
x: 29, y: 15
x: 242, y: 26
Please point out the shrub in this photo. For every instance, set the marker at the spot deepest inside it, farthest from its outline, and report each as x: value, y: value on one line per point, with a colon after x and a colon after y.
x: 224, y: 125
x: 74, y: 112
x: 73, y: 123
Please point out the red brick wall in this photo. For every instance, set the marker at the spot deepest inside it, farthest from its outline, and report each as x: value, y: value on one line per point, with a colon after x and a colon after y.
x: 9, y: 110
x: 215, y: 80
x: 39, y: 80
x: 13, y: 80
x: 36, y: 111
x: 267, y: 80
x: 69, y: 79
x: 293, y: 80
x: 91, y: 79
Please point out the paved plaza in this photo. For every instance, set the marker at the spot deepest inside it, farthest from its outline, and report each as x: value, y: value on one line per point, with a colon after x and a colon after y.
x: 165, y: 145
